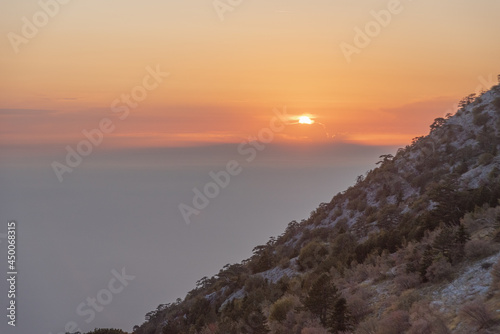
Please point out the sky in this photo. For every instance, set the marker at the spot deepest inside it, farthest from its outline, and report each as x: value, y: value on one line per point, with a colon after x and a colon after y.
x: 226, y: 76
x: 113, y: 112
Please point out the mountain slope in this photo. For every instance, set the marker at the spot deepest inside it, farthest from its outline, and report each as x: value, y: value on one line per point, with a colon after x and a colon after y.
x: 389, y: 254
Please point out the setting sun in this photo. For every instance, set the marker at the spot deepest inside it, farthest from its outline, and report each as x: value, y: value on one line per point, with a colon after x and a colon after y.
x: 305, y: 120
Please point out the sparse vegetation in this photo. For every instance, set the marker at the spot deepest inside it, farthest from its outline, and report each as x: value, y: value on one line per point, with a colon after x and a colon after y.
x: 377, y: 257
x: 496, y: 104
x: 478, y: 314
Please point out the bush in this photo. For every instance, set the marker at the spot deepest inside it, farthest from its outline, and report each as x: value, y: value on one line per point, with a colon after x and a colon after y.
x: 311, y: 255
x: 314, y: 330
x: 396, y: 322
x: 369, y: 326
x: 253, y: 283
x: 485, y: 159
x: 280, y: 309
x: 495, y: 273
x: 496, y: 104
x: 421, y: 326
x: 359, y: 307
x: 479, y: 109
x: 426, y: 320
x: 407, y: 281
x: 478, y: 249
x: 481, y: 119
x: 210, y: 329
x: 426, y: 326
x: 407, y: 299
x: 439, y: 270
x: 477, y: 314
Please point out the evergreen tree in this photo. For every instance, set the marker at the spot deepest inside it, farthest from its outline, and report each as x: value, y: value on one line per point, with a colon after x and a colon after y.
x: 450, y: 205
x: 461, y: 238
x: 170, y: 328
x: 426, y: 262
x: 257, y: 323
x: 339, y: 319
x: 444, y: 243
x: 322, y: 297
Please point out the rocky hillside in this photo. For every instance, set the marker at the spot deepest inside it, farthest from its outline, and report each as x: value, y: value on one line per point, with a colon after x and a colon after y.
x: 411, y: 248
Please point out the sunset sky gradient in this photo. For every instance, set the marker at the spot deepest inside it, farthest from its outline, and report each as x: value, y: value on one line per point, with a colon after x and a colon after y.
x: 227, y: 76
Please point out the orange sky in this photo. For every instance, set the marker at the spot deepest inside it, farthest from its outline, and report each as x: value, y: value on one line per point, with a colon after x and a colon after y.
x: 226, y: 77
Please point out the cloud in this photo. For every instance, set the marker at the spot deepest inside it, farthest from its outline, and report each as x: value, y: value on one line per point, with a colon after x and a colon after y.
x: 26, y: 112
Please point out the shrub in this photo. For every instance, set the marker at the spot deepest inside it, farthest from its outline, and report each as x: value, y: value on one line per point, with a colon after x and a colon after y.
x: 461, y: 168
x: 426, y: 320
x: 496, y: 104
x: 421, y: 326
x: 314, y: 329
x: 359, y: 307
x: 439, y: 270
x: 253, y: 283
x: 407, y: 281
x: 481, y: 119
x: 427, y: 326
x: 394, y: 323
x: 485, y: 159
x: 311, y: 255
x: 369, y: 326
x: 478, y: 249
x: 210, y: 329
x: 280, y: 309
x: 479, y: 109
x: 495, y: 273
x: 486, y: 265
x: 477, y: 314
x: 407, y: 299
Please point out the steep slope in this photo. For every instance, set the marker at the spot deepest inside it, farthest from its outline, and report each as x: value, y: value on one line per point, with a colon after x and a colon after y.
x: 396, y: 248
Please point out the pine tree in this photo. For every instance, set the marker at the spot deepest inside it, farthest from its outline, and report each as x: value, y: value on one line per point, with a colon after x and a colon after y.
x: 339, y: 319
x: 322, y: 297
x: 444, y: 243
x: 449, y: 209
x: 170, y: 328
x: 426, y: 262
x: 256, y: 323
x: 461, y: 238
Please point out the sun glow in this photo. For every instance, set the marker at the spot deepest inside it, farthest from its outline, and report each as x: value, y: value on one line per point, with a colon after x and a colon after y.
x: 305, y: 120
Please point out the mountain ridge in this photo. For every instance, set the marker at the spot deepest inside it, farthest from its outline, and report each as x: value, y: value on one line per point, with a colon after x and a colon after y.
x: 417, y: 199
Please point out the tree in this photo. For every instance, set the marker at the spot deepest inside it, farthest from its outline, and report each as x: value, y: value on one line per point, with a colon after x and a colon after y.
x: 389, y: 217
x: 443, y: 243
x: 467, y: 100
x: 256, y: 323
x: 385, y: 158
x: 449, y: 209
x: 415, y: 140
x: 438, y: 122
x: 280, y: 308
x: 262, y: 259
x: 426, y: 262
x: 461, y: 238
x: 170, y: 328
x: 339, y: 317
x: 322, y: 296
